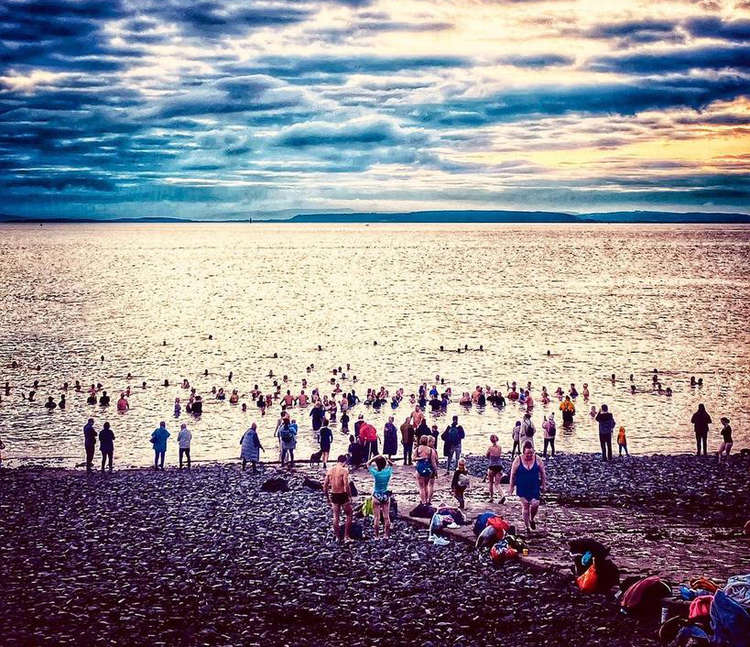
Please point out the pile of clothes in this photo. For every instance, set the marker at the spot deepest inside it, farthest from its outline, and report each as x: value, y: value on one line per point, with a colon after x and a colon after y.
x: 715, y: 616
x: 495, y: 533
x: 594, y: 570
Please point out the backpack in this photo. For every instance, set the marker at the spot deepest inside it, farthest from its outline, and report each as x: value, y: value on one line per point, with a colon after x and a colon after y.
x: 286, y: 436
x: 551, y: 428
x: 645, y: 596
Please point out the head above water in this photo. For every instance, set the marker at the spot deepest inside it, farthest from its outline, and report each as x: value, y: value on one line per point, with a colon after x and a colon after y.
x: 605, y: 408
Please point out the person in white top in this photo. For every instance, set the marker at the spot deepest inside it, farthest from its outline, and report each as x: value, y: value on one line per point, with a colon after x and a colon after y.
x: 183, y: 442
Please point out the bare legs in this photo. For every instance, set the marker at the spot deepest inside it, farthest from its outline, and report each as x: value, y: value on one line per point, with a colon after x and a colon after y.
x: 381, y: 511
x: 530, y: 508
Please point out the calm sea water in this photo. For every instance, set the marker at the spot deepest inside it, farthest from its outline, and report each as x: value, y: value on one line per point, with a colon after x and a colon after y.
x: 602, y: 299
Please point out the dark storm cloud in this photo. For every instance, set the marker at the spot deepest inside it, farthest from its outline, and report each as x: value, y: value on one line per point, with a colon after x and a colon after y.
x: 714, y: 27
x: 61, y: 34
x: 598, y: 99
x: 55, y: 181
x: 718, y: 57
x: 633, y: 30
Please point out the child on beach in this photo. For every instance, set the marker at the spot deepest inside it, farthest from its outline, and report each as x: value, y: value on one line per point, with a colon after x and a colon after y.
x: 622, y: 441
x: 460, y: 482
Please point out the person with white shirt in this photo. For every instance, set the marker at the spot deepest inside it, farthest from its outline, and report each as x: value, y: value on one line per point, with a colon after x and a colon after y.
x: 183, y: 442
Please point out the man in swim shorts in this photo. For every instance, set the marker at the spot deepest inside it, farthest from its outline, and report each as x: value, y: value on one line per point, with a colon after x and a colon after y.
x: 336, y: 489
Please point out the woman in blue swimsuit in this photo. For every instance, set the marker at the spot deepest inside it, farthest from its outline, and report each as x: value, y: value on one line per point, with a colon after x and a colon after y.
x: 528, y: 477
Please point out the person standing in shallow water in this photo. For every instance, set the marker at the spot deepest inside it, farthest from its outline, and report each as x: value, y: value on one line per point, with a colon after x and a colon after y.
x: 407, y: 440
x: 495, y: 468
x: 326, y: 439
x: 700, y: 421
x: 251, y: 447
x: 89, y: 443
x: 107, y: 445
x: 159, y: 441
x: 529, y: 478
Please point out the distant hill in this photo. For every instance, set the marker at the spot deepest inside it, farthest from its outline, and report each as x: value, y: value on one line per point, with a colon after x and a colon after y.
x: 521, y: 217
x: 467, y: 217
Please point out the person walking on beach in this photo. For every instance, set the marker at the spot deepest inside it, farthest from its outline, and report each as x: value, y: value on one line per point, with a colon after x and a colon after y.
x: 700, y: 421
x: 550, y: 431
x: 251, y: 447
x: 495, y: 468
x: 159, y: 441
x: 606, y: 427
x: 326, y: 439
x: 89, y: 443
x: 460, y: 482
x: 107, y: 445
x: 452, y: 437
x: 427, y: 467
x: 337, y: 491
x: 529, y: 478
x: 183, y: 442
x: 726, y: 439
x: 407, y: 440
x: 381, y: 471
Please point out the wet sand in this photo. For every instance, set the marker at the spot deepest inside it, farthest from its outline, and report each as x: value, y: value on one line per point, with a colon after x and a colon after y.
x: 204, y: 557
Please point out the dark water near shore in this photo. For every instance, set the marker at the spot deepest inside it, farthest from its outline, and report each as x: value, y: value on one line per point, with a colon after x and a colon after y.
x: 603, y: 299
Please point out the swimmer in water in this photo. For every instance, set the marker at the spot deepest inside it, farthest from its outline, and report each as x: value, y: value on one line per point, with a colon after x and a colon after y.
x: 585, y: 391
x: 593, y: 412
x: 143, y: 385
x: 632, y: 388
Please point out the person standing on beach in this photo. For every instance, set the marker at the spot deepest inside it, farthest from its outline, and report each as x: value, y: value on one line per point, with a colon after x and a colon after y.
x: 606, y: 427
x: 516, y: 435
x: 337, y: 491
x: 107, y: 445
x: 427, y: 467
x: 726, y: 439
x: 550, y: 431
x: 381, y: 497
x: 622, y: 441
x: 390, y: 439
x: 183, y: 442
x: 529, y: 478
x: 288, y: 442
x: 159, y: 441
x: 700, y: 421
x: 326, y: 439
x: 251, y: 447
x: 452, y: 437
x: 407, y: 440
x: 89, y: 443
x: 495, y: 468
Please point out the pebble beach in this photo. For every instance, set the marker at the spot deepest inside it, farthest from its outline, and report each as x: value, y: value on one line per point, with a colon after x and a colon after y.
x: 205, y: 557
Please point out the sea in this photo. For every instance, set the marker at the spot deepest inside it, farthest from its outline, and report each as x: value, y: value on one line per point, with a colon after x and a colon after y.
x: 548, y: 304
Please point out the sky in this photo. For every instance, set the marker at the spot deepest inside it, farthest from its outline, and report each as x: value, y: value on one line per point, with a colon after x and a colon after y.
x: 234, y: 109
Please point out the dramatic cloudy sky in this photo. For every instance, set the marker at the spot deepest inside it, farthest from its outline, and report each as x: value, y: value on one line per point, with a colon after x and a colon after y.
x: 232, y: 108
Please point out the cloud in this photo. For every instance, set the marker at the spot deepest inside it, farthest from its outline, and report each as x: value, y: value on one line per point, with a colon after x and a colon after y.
x: 537, y: 60
x: 286, y: 67
x: 714, y: 27
x: 596, y: 99
x: 676, y: 60
x: 359, y: 132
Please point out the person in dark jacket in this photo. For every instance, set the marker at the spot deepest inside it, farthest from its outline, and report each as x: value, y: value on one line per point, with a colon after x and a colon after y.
x: 107, y: 445
x: 317, y: 413
x: 89, y: 443
x: 700, y: 421
x: 606, y: 426
x: 407, y: 440
x: 452, y: 437
x: 390, y: 439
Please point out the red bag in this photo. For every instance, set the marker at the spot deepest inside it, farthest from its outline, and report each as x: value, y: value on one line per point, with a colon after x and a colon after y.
x: 700, y: 607
x: 589, y: 581
x: 500, y: 525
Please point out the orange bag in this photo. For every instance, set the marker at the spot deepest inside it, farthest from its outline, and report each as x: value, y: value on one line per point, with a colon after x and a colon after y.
x: 589, y: 581
x: 500, y: 525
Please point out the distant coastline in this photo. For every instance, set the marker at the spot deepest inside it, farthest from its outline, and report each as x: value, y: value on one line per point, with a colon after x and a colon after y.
x: 433, y: 217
